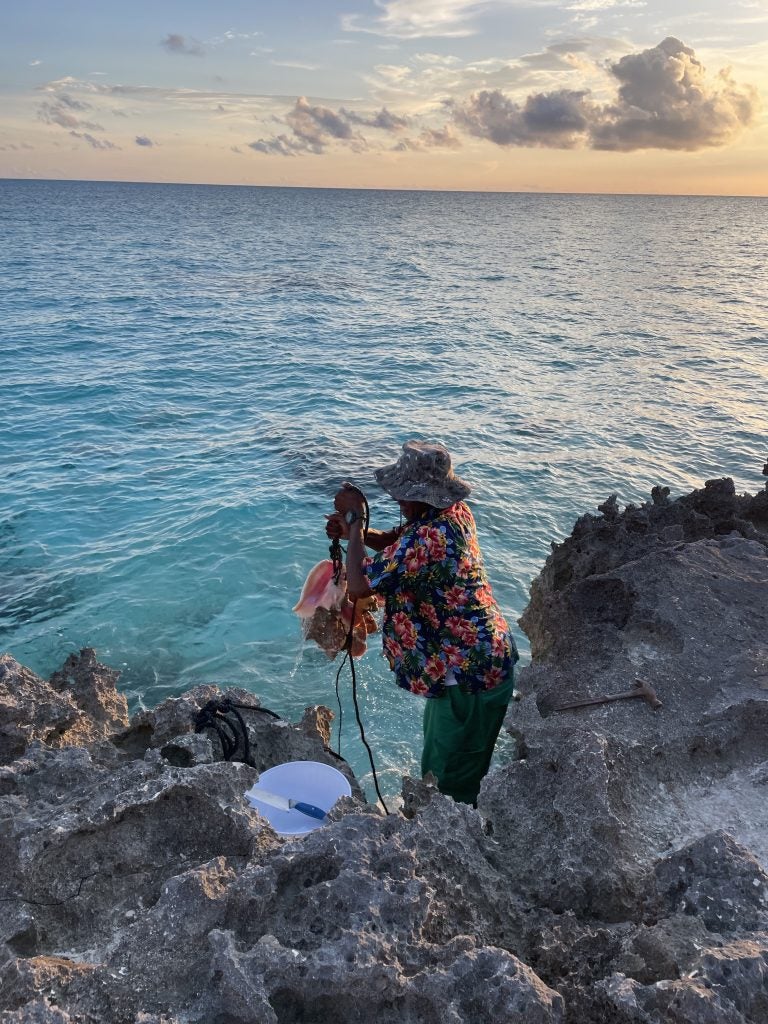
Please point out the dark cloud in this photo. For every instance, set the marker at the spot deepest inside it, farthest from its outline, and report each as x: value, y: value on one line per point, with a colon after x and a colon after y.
x: 175, y: 43
x: 664, y: 101
x: 317, y: 125
x: 313, y: 128
x: 143, y: 140
x: 556, y: 119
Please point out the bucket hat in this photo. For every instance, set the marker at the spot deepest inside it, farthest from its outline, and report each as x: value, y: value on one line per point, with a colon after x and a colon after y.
x: 423, y: 473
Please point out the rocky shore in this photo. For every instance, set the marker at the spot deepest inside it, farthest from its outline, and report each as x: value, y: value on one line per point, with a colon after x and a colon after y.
x: 616, y: 871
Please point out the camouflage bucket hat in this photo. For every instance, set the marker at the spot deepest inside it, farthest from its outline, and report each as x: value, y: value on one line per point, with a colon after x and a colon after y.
x: 423, y: 473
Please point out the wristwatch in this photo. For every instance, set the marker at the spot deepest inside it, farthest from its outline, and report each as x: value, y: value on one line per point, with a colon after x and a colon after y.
x: 350, y: 516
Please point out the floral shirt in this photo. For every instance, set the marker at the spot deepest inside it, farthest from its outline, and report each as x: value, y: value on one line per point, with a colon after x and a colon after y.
x: 439, y: 611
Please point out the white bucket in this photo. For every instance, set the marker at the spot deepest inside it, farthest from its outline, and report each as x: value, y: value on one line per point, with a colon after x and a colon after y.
x: 311, y: 782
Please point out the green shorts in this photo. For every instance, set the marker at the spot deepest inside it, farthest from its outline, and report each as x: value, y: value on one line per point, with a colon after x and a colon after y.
x: 460, y: 731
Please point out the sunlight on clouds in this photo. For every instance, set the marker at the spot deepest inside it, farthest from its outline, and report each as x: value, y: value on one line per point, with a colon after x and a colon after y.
x: 664, y: 101
x: 413, y: 19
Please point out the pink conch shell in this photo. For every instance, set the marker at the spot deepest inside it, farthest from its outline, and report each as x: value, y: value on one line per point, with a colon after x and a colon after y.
x: 326, y: 612
x: 320, y: 591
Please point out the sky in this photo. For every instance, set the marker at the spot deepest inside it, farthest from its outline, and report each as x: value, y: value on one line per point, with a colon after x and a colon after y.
x: 623, y: 96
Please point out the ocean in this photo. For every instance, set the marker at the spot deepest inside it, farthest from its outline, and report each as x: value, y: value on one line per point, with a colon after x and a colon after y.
x: 188, y: 372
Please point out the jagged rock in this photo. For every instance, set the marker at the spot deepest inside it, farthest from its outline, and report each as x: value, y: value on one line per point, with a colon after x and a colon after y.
x: 30, y: 709
x: 79, y: 705
x: 615, y: 873
x: 600, y: 793
x: 39, y: 1011
x: 600, y: 544
x: 728, y: 985
x: 93, y: 687
x: 86, y: 856
x: 712, y: 879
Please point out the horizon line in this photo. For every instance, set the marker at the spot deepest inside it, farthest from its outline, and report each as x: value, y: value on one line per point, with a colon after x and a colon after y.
x: 377, y: 188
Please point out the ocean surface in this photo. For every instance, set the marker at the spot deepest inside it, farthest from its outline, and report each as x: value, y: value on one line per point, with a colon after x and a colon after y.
x: 188, y: 372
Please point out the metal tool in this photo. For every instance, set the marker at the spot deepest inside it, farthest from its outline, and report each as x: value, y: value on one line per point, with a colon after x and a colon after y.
x: 284, y: 803
x: 640, y: 689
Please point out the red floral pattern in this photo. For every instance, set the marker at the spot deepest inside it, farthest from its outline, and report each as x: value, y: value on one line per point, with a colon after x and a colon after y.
x: 439, y: 610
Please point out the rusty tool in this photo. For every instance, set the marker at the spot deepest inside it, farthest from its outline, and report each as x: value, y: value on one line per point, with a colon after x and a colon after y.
x: 640, y: 689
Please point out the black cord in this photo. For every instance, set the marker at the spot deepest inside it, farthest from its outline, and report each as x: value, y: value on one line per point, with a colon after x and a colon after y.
x: 348, y: 656
x: 213, y: 715
x: 362, y: 734
x: 338, y: 697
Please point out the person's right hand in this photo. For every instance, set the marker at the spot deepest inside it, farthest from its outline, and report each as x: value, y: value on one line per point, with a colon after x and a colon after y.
x: 336, y: 528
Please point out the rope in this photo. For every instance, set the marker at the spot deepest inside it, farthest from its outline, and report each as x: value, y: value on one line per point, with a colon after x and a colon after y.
x: 337, y: 557
x: 216, y: 715
x: 359, y: 719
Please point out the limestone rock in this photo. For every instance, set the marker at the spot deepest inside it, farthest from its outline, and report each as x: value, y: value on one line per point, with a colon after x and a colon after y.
x: 93, y: 687
x: 615, y: 873
x: 600, y: 793
x: 30, y: 709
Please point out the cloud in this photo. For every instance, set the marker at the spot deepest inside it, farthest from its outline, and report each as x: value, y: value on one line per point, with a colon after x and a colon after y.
x: 315, y: 127
x: 414, y: 19
x: 143, y: 140
x: 93, y: 142
x: 282, y: 145
x: 69, y: 101
x: 295, y: 64
x: 60, y: 112
x: 431, y: 138
x: 384, y: 119
x: 231, y: 36
x: 35, y: 63
x: 189, y: 99
x: 664, y: 101
x: 555, y: 119
x: 175, y: 43
x: 316, y: 123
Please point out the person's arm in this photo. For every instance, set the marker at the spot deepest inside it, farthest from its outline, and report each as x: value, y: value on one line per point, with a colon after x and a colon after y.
x: 377, y: 540
x: 357, y: 581
x: 350, y: 500
x: 337, y: 529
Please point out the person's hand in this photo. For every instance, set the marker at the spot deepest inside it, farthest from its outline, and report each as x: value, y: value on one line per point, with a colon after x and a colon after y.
x: 336, y: 528
x: 349, y: 499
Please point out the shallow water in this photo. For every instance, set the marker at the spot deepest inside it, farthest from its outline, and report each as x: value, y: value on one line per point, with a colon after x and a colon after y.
x: 188, y: 372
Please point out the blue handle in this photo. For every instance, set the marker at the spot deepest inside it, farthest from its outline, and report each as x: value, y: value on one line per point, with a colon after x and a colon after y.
x: 309, y: 809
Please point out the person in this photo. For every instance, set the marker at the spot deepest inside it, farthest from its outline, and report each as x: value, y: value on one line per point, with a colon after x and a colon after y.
x: 443, y: 633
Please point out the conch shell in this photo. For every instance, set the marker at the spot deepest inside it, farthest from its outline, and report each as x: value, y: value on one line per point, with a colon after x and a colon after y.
x: 327, y: 612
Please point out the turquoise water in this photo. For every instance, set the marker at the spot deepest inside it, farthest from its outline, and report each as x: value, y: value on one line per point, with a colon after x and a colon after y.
x: 188, y: 372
